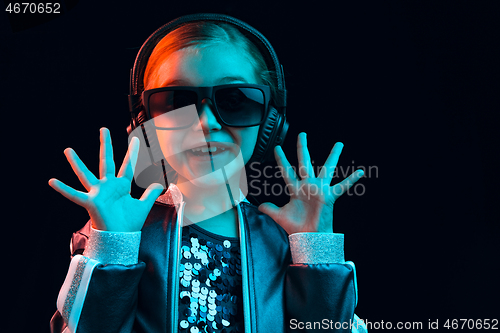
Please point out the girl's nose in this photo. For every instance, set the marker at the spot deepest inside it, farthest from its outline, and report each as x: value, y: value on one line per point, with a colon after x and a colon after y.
x: 208, y: 121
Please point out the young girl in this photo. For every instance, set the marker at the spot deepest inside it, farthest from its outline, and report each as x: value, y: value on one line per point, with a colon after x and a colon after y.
x: 200, y: 257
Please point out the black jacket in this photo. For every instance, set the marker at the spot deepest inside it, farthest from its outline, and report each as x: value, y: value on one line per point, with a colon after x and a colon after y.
x: 280, y: 296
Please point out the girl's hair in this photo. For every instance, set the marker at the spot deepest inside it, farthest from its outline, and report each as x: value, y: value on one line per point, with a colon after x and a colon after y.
x: 202, y: 34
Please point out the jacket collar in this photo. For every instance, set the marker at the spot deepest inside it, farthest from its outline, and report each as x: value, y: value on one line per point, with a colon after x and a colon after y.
x: 173, y: 196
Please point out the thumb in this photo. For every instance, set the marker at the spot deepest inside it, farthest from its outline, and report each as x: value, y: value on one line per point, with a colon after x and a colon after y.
x: 270, y: 209
x: 151, y: 194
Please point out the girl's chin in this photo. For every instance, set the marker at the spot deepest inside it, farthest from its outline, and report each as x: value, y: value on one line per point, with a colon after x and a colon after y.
x: 204, y: 164
x: 209, y: 181
x: 203, y: 171
x: 211, y: 178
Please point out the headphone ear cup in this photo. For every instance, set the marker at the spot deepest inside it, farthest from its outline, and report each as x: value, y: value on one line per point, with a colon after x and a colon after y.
x: 150, y: 136
x: 272, y: 132
x: 159, y: 169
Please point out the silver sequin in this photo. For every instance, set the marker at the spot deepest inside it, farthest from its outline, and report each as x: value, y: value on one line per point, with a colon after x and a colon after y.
x: 208, y: 271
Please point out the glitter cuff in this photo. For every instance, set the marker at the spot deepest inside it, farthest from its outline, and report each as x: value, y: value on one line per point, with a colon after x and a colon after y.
x: 317, y: 248
x: 74, y: 290
x: 113, y: 247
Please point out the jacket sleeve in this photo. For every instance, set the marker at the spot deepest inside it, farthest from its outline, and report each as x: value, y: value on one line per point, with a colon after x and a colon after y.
x: 99, y: 293
x: 321, y: 287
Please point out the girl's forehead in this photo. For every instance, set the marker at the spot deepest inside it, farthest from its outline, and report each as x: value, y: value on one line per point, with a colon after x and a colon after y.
x: 206, y: 66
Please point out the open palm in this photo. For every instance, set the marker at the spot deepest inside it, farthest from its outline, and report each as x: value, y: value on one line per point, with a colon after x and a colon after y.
x: 108, y: 200
x: 311, y: 198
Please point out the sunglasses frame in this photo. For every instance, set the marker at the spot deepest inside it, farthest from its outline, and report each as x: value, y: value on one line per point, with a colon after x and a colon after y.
x: 209, y: 92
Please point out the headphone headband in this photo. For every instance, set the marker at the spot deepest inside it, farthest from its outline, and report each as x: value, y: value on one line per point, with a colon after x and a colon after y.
x: 267, y: 51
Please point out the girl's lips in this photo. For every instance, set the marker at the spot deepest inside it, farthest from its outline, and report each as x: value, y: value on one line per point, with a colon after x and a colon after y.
x: 206, y: 144
x: 204, y: 151
x: 205, y: 157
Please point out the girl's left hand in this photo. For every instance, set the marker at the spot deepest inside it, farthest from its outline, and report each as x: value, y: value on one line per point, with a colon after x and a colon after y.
x: 312, y: 198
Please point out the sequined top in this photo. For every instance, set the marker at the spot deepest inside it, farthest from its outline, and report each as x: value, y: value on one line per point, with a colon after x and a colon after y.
x: 210, y: 282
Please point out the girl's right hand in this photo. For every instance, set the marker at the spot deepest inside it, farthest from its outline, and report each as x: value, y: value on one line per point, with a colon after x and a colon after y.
x: 108, y: 201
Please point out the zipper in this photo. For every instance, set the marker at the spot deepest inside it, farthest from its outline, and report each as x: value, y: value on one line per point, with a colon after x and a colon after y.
x: 244, y: 272
x: 176, y: 261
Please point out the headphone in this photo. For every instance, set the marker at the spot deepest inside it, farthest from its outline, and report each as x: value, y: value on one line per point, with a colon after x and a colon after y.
x: 271, y: 133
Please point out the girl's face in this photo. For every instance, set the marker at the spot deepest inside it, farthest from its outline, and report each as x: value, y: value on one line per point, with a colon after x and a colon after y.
x: 206, y: 66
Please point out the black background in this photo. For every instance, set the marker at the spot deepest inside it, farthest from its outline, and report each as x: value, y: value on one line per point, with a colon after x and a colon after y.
x: 410, y: 87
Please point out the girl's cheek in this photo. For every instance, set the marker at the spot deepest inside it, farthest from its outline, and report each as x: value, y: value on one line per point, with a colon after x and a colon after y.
x: 247, y: 139
x: 170, y: 144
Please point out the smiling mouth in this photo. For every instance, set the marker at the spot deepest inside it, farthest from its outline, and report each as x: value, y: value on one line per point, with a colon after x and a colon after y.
x: 205, y: 151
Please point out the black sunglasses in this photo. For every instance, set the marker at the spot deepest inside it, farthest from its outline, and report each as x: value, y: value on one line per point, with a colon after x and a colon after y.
x: 235, y: 105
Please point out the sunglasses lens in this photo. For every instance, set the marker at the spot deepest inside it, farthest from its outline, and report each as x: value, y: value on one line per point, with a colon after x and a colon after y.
x: 237, y: 106
x: 240, y: 106
x: 167, y: 108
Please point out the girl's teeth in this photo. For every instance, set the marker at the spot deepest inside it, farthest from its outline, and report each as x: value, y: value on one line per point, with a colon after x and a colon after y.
x: 206, y: 149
